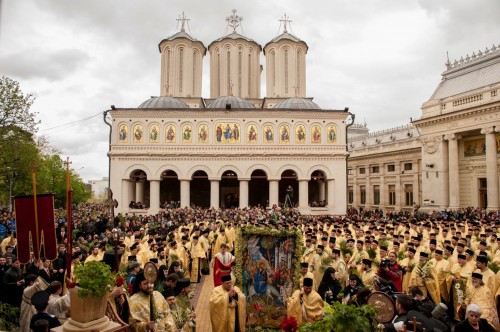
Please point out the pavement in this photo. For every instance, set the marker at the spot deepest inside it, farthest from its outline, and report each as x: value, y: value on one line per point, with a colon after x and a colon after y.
x: 201, y: 302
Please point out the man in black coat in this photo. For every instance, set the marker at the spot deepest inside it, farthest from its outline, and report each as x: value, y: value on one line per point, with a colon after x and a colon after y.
x: 41, y: 300
x: 13, y: 281
x: 404, y: 303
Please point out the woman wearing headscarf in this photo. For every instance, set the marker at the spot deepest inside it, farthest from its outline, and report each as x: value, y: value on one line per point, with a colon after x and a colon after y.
x: 329, y: 287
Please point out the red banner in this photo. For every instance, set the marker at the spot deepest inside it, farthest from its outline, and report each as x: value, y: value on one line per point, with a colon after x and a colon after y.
x: 26, y: 227
x: 220, y: 269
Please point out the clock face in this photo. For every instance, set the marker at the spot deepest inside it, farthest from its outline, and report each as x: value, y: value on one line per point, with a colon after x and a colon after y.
x: 150, y: 272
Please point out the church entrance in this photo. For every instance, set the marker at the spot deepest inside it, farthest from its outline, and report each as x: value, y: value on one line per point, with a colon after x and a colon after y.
x: 317, y: 189
x: 200, y: 189
x: 229, y: 190
x: 289, y: 180
x: 139, y: 193
x: 483, y: 193
x: 258, y: 188
x: 170, y: 189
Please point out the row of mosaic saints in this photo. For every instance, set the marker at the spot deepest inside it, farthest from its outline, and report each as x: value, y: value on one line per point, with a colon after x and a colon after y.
x: 226, y: 133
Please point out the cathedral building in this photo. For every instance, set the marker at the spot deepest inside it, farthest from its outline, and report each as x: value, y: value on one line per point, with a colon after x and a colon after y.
x: 446, y: 159
x: 234, y: 149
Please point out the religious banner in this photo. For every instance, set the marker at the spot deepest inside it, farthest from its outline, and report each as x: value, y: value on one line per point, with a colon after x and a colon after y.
x: 268, y: 272
x: 35, y: 230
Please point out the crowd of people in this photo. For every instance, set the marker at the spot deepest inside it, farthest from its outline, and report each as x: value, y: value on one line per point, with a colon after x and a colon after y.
x: 443, y: 262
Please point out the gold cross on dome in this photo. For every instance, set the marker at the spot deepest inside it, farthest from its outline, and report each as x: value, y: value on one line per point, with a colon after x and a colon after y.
x: 286, y: 22
x: 183, y: 19
x: 234, y: 20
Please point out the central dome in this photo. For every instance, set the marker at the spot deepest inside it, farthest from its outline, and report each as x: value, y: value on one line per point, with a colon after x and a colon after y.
x: 298, y: 103
x: 235, y: 102
x: 163, y: 102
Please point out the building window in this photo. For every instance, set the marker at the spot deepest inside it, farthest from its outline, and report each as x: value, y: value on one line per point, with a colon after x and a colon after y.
x: 362, y: 170
x: 349, y: 171
x: 181, y: 65
x: 391, y: 168
x: 392, y: 194
x: 376, y: 194
x: 408, y: 166
x: 286, y: 71
x: 350, y: 195
x: 375, y: 169
x: 408, y: 194
x: 362, y: 191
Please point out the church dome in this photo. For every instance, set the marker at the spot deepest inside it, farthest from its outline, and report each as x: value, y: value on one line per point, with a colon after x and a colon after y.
x: 235, y: 102
x: 163, y: 102
x: 298, y: 103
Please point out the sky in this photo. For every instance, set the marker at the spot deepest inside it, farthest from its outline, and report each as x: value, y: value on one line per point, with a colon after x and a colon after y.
x: 381, y: 58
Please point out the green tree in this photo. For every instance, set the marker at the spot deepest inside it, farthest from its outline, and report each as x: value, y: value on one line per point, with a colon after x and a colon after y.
x: 21, y: 151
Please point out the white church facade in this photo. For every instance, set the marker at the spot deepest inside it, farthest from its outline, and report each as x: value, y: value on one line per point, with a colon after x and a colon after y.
x: 234, y: 149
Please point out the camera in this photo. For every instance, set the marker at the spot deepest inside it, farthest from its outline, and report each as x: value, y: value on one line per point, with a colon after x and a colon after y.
x: 385, y: 263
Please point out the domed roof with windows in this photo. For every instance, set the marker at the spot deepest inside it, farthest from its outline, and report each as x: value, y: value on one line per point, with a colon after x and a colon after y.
x: 298, y: 103
x: 235, y: 102
x: 163, y: 102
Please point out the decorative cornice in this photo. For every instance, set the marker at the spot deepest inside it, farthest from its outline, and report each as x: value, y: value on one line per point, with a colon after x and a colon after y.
x: 233, y: 114
x: 384, y: 154
x: 437, y: 119
x: 204, y: 159
x: 470, y: 60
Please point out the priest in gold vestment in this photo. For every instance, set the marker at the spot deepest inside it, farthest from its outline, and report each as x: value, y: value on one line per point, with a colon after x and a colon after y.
x: 227, y: 307
x: 482, y: 296
x: 305, y: 304
x: 140, y: 317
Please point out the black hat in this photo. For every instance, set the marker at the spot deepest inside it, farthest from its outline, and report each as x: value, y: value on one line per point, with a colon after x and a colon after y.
x: 184, y: 282
x: 424, y: 254
x: 367, y: 261
x: 412, y: 250
x: 336, y: 251
x: 132, y: 258
x: 226, y: 277
x: 40, y: 299
x: 439, y: 251
x: 360, y: 242
x: 333, y: 239
x: 304, y: 265
x: 449, y: 248
x: 353, y: 277
x: 185, y: 237
x: 461, y: 256
x: 196, y: 237
x: 384, y: 248
x: 470, y: 252
x: 460, y: 244
x: 474, y: 275
x: 137, y: 282
x: 169, y: 292
x: 154, y: 260
x: 324, y: 239
x: 433, y: 241
x: 482, y: 259
x: 320, y: 246
x: 308, y: 282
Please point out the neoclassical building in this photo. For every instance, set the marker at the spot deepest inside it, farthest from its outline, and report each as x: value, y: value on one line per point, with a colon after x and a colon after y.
x: 448, y: 158
x: 234, y: 149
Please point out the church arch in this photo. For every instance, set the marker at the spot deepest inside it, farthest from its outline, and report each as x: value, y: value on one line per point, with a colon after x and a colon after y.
x: 317, y: 189
x: 170, y: 187
x: 258, y: 188
x: 288, y: 179
x: 200, y: 189
x: 229, y: 189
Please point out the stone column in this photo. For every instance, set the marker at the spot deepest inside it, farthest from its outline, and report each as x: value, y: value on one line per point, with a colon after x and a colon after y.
x: 154, y: 196
x: 273, y: 192
x: 139, y: 191
x: 399, y: 191
x: 125, y: 195
x: 322, y: 187
x: 369, y: 192
x: 491, y: 168
x: 330, y: 193
x: 131, y: 191
x: 214, y: 193
x: 243, y: 193
x: 382, y: 192
x: 454, y: 185
x: 185, y: 193
x: 303, y: 193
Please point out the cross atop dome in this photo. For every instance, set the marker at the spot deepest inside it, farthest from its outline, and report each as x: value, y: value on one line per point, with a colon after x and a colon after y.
x: 183, y: 20
x: 234, y: 20
x: 286, y: 22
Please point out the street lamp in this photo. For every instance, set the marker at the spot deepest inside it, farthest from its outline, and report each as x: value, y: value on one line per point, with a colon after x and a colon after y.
x: 11, y: 174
